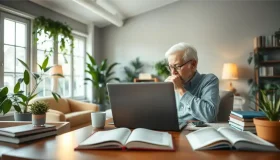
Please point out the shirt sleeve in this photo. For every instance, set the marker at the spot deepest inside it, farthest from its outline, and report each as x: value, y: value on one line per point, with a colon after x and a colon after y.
x: 204, y: 108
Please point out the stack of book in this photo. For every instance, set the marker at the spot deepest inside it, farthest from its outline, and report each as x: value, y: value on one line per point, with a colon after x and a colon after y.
x: 243, y: 120
x: 25, y: 133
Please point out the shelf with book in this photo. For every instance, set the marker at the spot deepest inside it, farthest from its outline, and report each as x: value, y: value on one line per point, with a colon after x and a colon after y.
x: 266, y: 48
x: 267, y: 62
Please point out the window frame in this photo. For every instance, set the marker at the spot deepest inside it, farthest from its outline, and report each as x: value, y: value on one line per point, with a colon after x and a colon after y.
x: 12, y: 17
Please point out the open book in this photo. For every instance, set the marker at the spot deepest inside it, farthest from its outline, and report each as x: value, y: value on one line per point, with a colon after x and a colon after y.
x: 123, y: 138
x: 227, y: 138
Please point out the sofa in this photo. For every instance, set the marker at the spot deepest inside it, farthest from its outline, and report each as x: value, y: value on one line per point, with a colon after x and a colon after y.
x: 76, y: 112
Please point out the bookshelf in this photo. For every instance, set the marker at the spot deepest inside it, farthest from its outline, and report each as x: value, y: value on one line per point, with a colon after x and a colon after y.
x: 268, y: 70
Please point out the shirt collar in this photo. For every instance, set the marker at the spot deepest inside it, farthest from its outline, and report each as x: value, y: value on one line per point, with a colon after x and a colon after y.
x: 193, y: 80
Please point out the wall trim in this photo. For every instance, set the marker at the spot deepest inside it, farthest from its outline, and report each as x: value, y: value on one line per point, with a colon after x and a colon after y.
x: 16, y: 12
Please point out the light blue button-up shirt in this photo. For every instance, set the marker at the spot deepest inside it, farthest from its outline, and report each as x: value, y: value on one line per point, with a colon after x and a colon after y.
x: 201, y: 101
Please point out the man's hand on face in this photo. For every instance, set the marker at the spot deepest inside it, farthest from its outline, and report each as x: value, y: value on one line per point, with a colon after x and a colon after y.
x: 177, y: 81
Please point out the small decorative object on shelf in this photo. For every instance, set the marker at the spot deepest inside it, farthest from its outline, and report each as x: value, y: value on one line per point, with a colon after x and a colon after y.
x: 38, y: 110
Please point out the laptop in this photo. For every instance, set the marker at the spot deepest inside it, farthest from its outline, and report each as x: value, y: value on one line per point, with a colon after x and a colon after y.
x: 144, y: 105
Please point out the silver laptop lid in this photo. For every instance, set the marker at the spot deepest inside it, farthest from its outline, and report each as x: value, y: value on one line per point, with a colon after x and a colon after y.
x: 144, y: 105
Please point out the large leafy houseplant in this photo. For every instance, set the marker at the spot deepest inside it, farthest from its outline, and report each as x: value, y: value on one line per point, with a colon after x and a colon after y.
x: 100, y: 75
x: 54, y: 29
x: 161, y: 68
x: 20, y: 99
x: 269, y: 128
x: 269, y: 103
x: 133, y: 71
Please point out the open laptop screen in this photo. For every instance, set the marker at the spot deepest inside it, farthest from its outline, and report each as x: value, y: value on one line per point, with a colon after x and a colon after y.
x: 144, y: 105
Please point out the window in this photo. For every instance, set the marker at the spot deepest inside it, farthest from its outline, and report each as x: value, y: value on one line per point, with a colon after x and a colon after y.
x: 73, y: 70
x: 72, y: 85
x: 44, y: 48
x: 15, y: 45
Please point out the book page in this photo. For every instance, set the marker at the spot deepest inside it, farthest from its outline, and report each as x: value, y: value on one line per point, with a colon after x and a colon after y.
x: 235, y: 136
x: 118, y: 135
x: 207, y: 138
x: 149, y: 136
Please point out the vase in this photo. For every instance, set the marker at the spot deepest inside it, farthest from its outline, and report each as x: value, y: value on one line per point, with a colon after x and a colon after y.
x: 22, y: 116
x: 38, y: 119
x: 268, y: 130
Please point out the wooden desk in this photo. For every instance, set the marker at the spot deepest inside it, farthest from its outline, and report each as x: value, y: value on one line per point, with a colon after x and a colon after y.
x: 62, y: 127
x: 62, y: 147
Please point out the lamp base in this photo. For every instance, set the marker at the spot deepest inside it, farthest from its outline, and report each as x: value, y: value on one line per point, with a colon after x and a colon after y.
x: 232, y: 89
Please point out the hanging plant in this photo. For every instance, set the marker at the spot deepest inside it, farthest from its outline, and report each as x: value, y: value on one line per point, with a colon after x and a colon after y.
x: 53, y: 29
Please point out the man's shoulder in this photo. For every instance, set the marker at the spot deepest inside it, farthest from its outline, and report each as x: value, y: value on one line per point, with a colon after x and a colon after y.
x: 210, y: 77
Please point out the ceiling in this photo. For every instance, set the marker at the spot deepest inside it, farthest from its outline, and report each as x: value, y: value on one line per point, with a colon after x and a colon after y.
x: 121, y: 9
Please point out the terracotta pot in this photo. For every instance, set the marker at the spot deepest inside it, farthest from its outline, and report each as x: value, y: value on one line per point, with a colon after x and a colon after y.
x: 38, y: 119
x: 268, y: 130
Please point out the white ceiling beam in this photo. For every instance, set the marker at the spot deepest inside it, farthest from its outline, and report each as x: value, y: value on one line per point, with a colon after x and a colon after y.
x: 95, y: 8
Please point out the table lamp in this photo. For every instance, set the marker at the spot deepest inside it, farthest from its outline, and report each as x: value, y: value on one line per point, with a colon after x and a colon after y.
x: 230, y: 73
x: 54, y: 72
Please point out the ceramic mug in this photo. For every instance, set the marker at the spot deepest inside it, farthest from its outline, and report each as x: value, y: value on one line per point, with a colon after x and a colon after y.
x: 98, y: 119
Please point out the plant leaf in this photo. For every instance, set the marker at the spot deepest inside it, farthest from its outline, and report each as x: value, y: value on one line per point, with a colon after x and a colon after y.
x: 59, y: 75
x: 17, y: 87
x: 17, y: 108
x: 36, y: 76
x: 23, y: 97
x: 45, y: 63
x: 91, y: 59
x: 110, y: 68
x: 103, y: 65
x: 47, y: 69
x: 24, y: 64
x: 6, y: 106
x: 55, y: 97
x: 4, y: 91
x: 26, y: 77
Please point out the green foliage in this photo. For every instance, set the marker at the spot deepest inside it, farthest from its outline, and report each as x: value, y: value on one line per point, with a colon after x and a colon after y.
x: 20, y: 99
x: 53, y: 29
x: 270, y: 104
x: 161, y: 68
x: 100, y: 75
x: 133, y: 72
x: 39, y: 107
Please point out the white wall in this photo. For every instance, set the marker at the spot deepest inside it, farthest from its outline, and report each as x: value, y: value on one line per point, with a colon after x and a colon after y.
x: 221, y: 31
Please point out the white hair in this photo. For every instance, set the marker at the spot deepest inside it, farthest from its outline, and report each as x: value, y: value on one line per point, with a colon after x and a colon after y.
x: 190, y: 51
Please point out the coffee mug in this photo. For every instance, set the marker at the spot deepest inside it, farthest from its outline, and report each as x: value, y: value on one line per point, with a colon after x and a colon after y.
x: 98, y: 119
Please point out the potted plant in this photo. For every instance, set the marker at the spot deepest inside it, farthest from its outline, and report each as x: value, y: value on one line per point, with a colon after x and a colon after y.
x: 269, y: 128
x: 161, y: 68
x: 100, y: 75
x: 20, y: 99
x: 38, y: 110
x: 133, y: 72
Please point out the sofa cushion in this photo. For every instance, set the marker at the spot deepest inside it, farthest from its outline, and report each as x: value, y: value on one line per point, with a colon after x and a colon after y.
x: 78, y: 118
x: 62, y: 104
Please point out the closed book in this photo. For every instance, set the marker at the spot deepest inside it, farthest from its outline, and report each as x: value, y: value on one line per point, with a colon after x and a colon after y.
x: 248, y: 114
x: 241, y: 119
x: 245, y: 124
x: 123, y: 138
x: 23, y: 130
x: 242, y: 128
x: 227, y: 138
x: 27, y: 138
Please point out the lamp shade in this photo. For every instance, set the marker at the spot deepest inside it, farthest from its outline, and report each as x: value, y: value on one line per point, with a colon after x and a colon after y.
x: 230, y: 71
x: 57, y: 69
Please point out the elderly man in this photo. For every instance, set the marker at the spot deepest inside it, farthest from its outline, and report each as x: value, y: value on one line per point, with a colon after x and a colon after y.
x: 197, y: 94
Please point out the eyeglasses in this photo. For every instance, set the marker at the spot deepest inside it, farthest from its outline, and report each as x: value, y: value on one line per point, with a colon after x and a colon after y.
x: 178, y: 67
